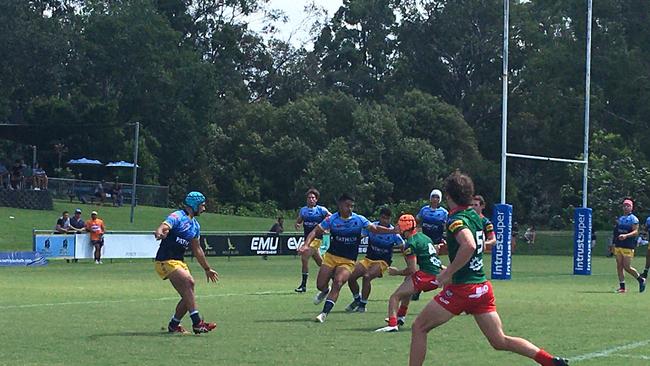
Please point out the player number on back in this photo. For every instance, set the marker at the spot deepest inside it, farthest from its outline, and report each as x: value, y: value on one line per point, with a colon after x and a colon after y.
x: 480, y: 242
x: 476, y: 263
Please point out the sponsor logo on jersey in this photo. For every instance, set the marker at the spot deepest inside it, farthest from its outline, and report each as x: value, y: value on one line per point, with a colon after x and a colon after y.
x: 454, y: 226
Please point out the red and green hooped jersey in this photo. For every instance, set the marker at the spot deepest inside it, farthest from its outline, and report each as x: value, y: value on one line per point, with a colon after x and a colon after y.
x: 421, y: 246
x: 466, y: 218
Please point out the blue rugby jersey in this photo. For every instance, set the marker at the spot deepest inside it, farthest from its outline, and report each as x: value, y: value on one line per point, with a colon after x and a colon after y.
x: 311, y: 217
x: 345, y: 234
x: 182, y: 230
x: 624, y: 225
x: 433, y: 222
x: 380, y: 246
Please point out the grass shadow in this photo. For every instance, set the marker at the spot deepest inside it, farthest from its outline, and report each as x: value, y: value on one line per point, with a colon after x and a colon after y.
x: 596, y: 292
x: 290, y: 320
x: 163, y: 334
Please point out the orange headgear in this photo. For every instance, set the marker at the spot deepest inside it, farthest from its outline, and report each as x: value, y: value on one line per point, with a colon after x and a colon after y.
x: 407, y: 222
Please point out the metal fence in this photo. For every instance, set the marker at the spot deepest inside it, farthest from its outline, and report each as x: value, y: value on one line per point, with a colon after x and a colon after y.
x: 84, y: 191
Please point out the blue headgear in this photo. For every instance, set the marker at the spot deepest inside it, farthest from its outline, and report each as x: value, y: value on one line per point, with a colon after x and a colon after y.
x: 194, y: 200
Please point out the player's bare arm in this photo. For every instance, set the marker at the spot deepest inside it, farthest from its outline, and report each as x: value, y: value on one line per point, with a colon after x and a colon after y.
x: 411, y: 267
x: 318, y: 230
x: 211, y: 274
x: 162, y: 231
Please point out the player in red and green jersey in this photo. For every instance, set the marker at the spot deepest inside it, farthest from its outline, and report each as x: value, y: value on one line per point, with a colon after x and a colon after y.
x: 488, y: 229
x: 419, y: 249
x: 466, y: 289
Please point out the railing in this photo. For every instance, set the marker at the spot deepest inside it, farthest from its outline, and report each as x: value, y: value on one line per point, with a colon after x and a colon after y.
x: 84, y: 191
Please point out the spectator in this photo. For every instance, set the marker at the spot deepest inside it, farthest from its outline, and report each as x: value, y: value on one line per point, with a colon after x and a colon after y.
x: 76, y: 222
x: 530, y: 235
x: 4, y: 176
x: 275, y: 230
x: 28, y: 177
x: 63, y: 224
x: 16, y: 175
x: 100, y: 193
x: 118, y: 198
x: 40, y: 178
x: 96, y: 228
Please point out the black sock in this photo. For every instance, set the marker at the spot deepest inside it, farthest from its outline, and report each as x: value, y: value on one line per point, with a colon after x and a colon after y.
x: 362, y: 303
x: 174, y: 322
x: 622, y: 285
x: 329, y: 304
x: 640, y: 279
x: 645, y: 272
x: 304, y: 280
x: 196, y: 318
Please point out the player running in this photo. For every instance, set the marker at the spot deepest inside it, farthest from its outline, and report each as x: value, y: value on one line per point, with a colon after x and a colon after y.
x: 179, y: 231
x: 377, y: 260
x: 466, y: 289
x: 345, y: 229
x: 433, y: 219
x: 478, y: 204
x: 626, y: 232
x: 419, y: 249
x: 309, y: 217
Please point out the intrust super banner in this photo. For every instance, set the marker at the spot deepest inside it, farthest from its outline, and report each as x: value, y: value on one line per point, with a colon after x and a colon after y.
x: 582, y: 241
x: 502, y: 249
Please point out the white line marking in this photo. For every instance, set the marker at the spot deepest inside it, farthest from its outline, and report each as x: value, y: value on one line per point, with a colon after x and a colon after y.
x: 610, y: 351
x: 101, y: 302
x: 637, y: 357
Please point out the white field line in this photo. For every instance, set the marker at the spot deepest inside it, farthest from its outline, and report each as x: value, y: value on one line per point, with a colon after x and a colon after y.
x: 102, y: 302
x: 636, y: 357
x: 610, y: 351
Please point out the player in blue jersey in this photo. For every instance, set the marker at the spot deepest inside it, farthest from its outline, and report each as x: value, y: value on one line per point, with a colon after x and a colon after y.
x: 177, y: 233
x: 377, y: 260
x: 625, y: 234
x: 309, y: 217
x: 433, y: 219
x: 345, y: 229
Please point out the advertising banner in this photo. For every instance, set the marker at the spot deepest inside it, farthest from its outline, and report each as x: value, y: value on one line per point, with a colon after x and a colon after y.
x: 582, y: 241
x: 502, y: 249
x: 55, y: 245
x: 13, y: 259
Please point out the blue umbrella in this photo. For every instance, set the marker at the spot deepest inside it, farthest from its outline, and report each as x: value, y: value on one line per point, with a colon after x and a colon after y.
x: 121, y: 164
x: 84, y: 161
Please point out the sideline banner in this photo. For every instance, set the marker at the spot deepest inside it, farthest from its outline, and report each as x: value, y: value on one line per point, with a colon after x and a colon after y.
x: 14, y: 259
x: 502, y: 249
x: 55, y: 245
x: 582, y: 241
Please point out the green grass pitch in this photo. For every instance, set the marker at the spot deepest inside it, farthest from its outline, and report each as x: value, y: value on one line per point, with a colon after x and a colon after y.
x: 112, y: 314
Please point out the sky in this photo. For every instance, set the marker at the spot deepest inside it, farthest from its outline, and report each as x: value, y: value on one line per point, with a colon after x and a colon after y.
x: 296, y: 30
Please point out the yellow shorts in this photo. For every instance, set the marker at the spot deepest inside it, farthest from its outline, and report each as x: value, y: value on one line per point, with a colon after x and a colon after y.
x: 367, y: 263
x: 316, y: 243
x: 625, y: 252
x: 333, y: 261
x: 165, y: 268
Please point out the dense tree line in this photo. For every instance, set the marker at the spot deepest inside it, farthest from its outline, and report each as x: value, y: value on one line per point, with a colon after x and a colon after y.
x: 393, y: 95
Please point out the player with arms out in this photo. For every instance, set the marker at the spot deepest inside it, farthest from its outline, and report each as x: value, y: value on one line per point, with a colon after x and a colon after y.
x: 178, y: 232
x: 345, y: 229
x: 466, y: 289
x: 309, y: 216
x: 422, y: 266
x: 377, y: 260
x: 478, y: 204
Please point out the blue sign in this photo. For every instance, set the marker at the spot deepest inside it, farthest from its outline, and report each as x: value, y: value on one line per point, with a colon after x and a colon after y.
x: 502, y: 249
x: 582, y: 241
x: 55, y: 246
x: 21, y: 259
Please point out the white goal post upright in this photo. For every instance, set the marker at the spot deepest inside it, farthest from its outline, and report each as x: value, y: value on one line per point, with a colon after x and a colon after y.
x: 502, y: 216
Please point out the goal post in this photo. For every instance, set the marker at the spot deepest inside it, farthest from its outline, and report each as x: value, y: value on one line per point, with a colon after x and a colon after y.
x: 502, y: 215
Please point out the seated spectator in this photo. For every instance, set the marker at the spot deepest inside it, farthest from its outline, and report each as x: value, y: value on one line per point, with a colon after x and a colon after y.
x: 28, y: 177
x: 63, y: 224
x: 118, y: 197
x: 4, y: 176
x: 100, y: 193
x: 530, y: 235
x: 16, y: 175
x: 40, y: 178
x: 76, y: 222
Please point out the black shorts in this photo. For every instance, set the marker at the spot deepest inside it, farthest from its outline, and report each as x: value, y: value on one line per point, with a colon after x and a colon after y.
x: 95, y: 242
